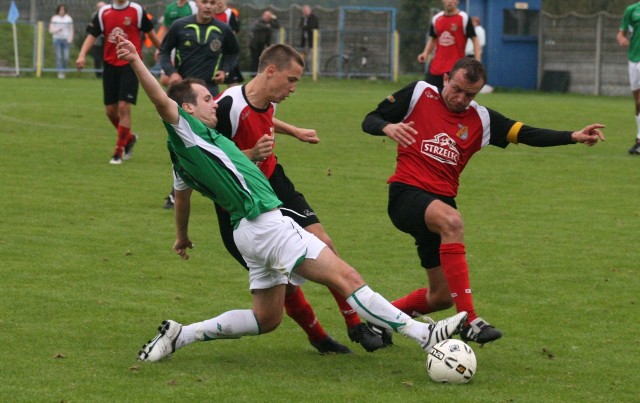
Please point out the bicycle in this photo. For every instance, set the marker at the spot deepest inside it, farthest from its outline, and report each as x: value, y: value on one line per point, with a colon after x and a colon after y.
x: 352, y: 64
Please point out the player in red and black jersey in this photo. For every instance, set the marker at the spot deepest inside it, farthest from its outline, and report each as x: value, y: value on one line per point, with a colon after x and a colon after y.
x: 448, y: 34
x: 246, y: 116
x: 437, y: 133
x: 120, y: 84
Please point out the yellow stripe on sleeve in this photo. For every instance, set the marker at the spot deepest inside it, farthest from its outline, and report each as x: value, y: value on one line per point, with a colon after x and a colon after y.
x: 512, y: 136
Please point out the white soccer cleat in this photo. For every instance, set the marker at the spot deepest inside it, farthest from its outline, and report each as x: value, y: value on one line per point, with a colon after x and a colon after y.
x: 163, y: 344
x: 442, y: 330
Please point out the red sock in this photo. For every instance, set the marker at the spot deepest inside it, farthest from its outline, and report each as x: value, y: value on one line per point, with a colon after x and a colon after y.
x: 413, y: 304
x: 351, y: 318
x: 123, y: 136
x: 298, y: 308
x: 456, y: 271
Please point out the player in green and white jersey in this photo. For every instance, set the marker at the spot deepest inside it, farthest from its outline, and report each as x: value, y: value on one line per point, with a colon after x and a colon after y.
x: 631, y: 25
x: 276, y: 249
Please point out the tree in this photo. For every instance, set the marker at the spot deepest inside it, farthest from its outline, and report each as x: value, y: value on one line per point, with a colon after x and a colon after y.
x: 414, y: 19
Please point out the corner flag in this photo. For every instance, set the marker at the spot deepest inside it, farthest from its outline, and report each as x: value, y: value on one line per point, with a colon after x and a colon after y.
x: 12, y: 17
x: 14, y: 14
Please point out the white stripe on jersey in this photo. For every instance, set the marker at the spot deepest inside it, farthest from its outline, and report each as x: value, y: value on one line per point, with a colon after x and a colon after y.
x: 190, y: 139
x: 238, y: 105
x: 483, y: 114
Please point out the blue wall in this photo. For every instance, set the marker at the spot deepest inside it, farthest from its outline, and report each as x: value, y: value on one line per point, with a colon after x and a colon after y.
x: 511, y: 60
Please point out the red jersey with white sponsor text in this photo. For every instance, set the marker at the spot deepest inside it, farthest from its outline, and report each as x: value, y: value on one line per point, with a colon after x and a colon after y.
x: 129, y: 20
x: 245, y: 124
x: 445, y: 140
x: 451, y: 32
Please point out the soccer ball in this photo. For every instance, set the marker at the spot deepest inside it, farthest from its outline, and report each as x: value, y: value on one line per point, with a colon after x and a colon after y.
x: 451, y: 361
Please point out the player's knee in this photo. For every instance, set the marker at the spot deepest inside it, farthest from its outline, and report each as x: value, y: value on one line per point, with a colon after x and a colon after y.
x: 269, y: 323
x: 441, y: 303
x: 329, y: 244
x: 452, y: 225
x: 440, y: 299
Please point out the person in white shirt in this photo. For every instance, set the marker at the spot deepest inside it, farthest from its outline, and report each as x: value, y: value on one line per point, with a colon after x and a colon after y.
x: 61, y: 28
x: 480, y: 34
x: 482, y: 40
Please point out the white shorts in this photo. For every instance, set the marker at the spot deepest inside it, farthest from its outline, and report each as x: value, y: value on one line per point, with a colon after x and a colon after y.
x: 273, y: 245
x: 634, y: 75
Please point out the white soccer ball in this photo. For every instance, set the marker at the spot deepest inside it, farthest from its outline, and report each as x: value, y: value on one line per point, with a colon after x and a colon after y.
x: 451, y: 361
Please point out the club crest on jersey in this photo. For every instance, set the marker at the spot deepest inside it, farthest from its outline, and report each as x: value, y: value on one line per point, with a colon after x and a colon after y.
x: 463, y: 132
x: 245, y: 114
x: 215, y: 45
x: 441, y: 148
x: 127, y: 21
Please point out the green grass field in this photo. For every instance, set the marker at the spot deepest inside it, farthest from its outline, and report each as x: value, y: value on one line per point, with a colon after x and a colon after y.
x: 87, y: 271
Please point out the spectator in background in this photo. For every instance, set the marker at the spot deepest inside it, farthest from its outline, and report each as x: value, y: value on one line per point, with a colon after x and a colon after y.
x: 98, y: 46
x: 482, y: 40
x: 61, y: 28
x: 448, y: 36
x: 308, y: 22
x: 480, y: 34
x: 262, y: 36
x: 631, y: 24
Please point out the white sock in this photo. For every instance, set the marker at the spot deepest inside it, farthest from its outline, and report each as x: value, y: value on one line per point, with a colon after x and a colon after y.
x: 638, y: 125
x: 229, y: 325
x: 374, y: 308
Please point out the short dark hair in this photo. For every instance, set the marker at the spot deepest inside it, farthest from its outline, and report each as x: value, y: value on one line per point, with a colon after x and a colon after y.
x: 60, y: 6
x: 279, y: 55
x: 182, y: 91
x: 474, y: 69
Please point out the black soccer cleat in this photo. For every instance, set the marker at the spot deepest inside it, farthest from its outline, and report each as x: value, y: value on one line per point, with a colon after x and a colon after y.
x: 330, y: 346
x: 480, y: 331
x: 368, y: 339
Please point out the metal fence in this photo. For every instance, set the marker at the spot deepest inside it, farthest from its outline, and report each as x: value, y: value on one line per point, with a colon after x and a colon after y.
x: 364, y: 36
x: 582, y: 45
x: 585, y: 46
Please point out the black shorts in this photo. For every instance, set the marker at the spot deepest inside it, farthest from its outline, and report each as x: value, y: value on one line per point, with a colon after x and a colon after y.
x: 406, y: 208
x: 119, y: 83
x: 294, y: 204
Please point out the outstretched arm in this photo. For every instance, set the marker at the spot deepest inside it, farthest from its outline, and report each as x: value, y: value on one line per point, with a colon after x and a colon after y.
x: 166, y: 107
x: 589, y: 135
x: 302, y: 134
